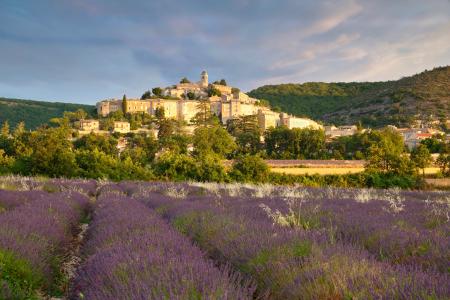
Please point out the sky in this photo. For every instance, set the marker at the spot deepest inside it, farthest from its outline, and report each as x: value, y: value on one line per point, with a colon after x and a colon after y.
x: 84, y: 51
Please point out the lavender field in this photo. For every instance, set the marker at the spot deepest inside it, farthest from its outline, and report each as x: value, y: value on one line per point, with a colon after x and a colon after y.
x: 77, y: 239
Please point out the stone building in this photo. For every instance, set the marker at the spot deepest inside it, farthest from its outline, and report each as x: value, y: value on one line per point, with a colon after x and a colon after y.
x: 121, y: 127
x: 89, y: 125
x: 296, y: 122
x: 334, y: 132
x: 267, y: 119
x: 231, y: 103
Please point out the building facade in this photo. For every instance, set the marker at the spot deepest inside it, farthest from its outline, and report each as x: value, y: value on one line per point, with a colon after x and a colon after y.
x: 89, y: 125
x: 231, y: 103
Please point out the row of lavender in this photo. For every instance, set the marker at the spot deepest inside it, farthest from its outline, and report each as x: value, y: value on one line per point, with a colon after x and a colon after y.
x: 295, y: 243
x: 34, y: 233
x: 296, y: 248
x: 131, y: 253
x: 400, y: 228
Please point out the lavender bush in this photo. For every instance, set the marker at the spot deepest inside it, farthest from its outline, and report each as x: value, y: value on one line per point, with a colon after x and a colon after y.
x: 32, y: 239
x: 307, y: 259
x: 12, y: 199
x: 133, y: 254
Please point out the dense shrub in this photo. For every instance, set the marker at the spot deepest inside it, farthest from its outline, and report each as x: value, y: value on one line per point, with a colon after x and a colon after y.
x: 249, y: 168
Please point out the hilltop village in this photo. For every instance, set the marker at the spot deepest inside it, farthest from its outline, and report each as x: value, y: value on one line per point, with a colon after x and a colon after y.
x: 184, y: 100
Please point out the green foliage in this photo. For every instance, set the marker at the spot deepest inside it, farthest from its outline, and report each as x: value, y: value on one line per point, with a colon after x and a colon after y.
x: 51, y: 153
x: 92, y: 141
x: 247, y: 133
x: 250, y: 168
x: 375, y: 104
x: 177, y: 143
x: 141, y: 149
x: 184, y: 80
x: 421, y: 157
x: 214, y: 139
x: 36, y: 113
x: 284, y: 143
x: 220, y: 82
x: 17, y: 278
x: 212, y: 91
x: 434, y: 144
x: 159, y: 113
x: 210, y: 168
x: 174, y: 166
x: 443, y: 162
x: 4, y: 131
x: 191, y: 95
x: 146, y: 95
x: 96, y: 164
x: 124, y: 104
x: 6, y: 162
x: 387, y: 154
x: 166, y: 128
x: 157, y: 91
x: 204, y: 117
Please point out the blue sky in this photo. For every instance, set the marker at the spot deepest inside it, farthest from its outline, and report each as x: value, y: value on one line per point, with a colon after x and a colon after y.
x: 86, y: 50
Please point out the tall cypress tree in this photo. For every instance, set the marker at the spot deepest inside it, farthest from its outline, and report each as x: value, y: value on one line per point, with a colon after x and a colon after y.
x: 124, y: 104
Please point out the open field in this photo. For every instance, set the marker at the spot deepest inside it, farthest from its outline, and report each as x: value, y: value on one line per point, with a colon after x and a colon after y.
x: 332, y: 170
x: 87, y: 239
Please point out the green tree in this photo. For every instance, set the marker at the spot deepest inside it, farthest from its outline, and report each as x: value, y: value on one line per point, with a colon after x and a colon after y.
x: 103, y: 143
x: 19, y: 130
x: 6, y: 162
x: 247, y: 133
x: 146, y: 95
x: 166, y: 128
x: 159, y: 113
x: 212, y: 91
x: 184, y: 80
x: 434, y: 144
x: 214, y: 139
x: 175, y: 166
x: 210, y: 168
x: 4, y: 131
x: 250, y: 168
x: 190, y: 95
x: 443, y: 161
x: 176, y: 143
x: 204, y: 117
x: 235, y: 91
x: 157, y: 91
x: 124, y: 104
x: 141, y: 149
x: 421, y: 157
x: 97, y: 164
x: 52, y: 153
x: 387, y: 154
x: 296, y: 143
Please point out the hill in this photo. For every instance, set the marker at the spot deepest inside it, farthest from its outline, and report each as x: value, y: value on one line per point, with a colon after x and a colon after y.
x: 423, y: 96
x: 35, y: 113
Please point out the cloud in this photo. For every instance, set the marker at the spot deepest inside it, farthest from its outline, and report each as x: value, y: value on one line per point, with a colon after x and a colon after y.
x: 87, y: 50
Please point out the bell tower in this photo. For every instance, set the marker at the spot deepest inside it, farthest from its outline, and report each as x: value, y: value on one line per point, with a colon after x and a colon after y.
x: 204, y: 79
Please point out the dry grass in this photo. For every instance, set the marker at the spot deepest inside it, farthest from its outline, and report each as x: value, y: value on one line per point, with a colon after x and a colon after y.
x: 331, y: 171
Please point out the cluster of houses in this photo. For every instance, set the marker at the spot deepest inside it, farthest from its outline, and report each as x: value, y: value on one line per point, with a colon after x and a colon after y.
x: 413, y: 136
x: 181, y: 102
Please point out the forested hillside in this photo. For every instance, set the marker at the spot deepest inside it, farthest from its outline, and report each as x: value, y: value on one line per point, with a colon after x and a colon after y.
x: 422, y: 96
x: 35, y: 113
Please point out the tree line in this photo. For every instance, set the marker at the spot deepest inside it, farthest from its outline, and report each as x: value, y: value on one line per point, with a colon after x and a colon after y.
x: 56, y: 150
